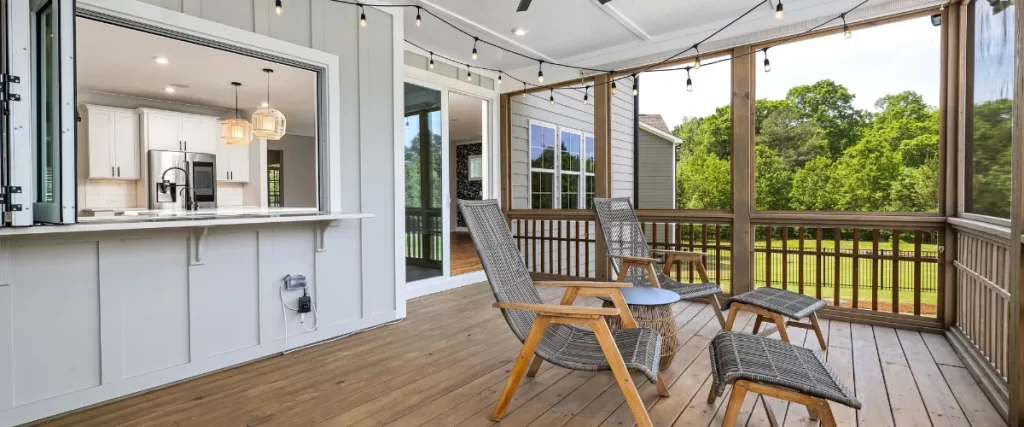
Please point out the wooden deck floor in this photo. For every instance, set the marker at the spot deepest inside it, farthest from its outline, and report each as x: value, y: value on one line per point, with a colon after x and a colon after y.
x: 445, y: 364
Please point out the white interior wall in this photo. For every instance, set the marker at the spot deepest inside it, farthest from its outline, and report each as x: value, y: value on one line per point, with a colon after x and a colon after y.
x: 299, y: 170
x: 125, y: 311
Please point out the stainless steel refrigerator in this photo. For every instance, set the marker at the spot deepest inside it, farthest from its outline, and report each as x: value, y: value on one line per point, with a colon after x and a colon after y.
x: 180, y: 180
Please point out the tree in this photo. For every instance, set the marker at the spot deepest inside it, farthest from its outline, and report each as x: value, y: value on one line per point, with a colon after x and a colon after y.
x: 796, y: 139
x: 703, y: 181
x: 712, y: 133
x: 916, y: 189
x: 830, y: 105
x: 865, y: 175
x: 990, y: 158
x: 815, y: 186
x: 774, y: 180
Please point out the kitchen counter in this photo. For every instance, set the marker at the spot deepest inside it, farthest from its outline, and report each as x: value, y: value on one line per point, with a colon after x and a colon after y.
x: 140, y: 220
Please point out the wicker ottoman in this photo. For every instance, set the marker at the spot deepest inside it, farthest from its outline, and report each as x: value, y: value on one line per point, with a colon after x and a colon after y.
x: 770, y: 305
x: 774, y: 368
x: 652, y: 308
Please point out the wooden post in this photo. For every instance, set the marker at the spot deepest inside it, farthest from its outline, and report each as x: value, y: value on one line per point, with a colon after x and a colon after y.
x: 505, y: 153
x: 602, y: 162
x: 949, y: 155
x: 742, y: 169
x: 1015, y: 379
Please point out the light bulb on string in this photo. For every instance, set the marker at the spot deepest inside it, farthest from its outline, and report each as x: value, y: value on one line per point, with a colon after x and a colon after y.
x: 277, y: 7
x: 524, y: 89
x: 469, y: 74
x: 419, y: 20
x: 778, y: 11
x: 689, y: 83
x: 499, y: 77
x: 696, y: 60
x: 612, y: 78
x: 767, y: 64
x: 362, y: 17
x: 635, y: 90
x: 586, y: 95
x: 540, y: 72
x: 552, y: 98
x: 846, y: 28
x: 474, y: 47
x: 431, y: 60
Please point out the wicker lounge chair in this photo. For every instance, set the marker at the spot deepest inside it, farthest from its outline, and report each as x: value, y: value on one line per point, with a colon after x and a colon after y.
x: 774, y: 368
x: 572, y: 337
x: 634, y: 262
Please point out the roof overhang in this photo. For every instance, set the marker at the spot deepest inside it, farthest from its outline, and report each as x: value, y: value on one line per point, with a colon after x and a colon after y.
x: 660, y: 133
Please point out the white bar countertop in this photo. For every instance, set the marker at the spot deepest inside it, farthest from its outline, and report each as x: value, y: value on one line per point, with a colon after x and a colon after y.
x: 153, y: 219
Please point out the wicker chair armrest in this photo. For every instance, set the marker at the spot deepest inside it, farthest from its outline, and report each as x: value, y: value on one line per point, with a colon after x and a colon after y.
x: 634, y: 259
x: 559, y: 310
x: 571, y: 284
x: 680, y: 255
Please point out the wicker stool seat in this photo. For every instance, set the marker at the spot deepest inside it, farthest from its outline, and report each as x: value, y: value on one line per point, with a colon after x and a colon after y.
x: 771, y: 304
x: 775, y: 368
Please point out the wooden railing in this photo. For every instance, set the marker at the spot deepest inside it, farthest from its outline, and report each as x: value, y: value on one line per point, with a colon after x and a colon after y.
x: 983, y: 301
x: 424, y: 244
x: 878, y: 269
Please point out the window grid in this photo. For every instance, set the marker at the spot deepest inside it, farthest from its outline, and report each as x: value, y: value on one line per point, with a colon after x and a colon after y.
x: 561, y: 167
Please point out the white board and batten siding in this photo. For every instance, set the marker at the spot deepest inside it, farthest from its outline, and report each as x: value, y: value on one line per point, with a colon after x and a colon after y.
x: 87, y: 317
x: 569, y: 112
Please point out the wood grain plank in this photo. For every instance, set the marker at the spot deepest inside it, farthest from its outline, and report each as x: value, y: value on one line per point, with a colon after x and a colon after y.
x: 977, y: 408
x: 907, y: 407
x: 938, y: 398
x: 840, y: 358
x: 870, y: 382
x: 942, y: 352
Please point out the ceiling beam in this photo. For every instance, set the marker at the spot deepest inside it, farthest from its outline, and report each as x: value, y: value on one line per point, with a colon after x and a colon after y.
x: 500, y: 35
x: 625, y: 22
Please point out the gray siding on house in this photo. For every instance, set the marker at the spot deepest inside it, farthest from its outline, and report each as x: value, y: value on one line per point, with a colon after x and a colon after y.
x: 622, y: 139
x: 657, y: 172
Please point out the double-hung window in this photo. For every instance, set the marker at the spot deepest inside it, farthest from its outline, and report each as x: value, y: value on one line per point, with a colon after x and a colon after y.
x: 562, y: 173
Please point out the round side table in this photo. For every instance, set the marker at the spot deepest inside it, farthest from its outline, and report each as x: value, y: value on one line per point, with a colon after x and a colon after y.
x: 652, y: 308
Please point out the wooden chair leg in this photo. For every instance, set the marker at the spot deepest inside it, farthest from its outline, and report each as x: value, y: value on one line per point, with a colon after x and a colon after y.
x: 733, y: 311
x: 715, y: 304
x: 757, y: 324
x: 781, y: 324
x: 662, y: 388
x: 621, y: 373
x: 817, y: 330
x: 825, y: 413
x: 535, y: 366
x: 812, y: 412
x: 711, y: 396
x: 732, y: 412
x: 540, y: 324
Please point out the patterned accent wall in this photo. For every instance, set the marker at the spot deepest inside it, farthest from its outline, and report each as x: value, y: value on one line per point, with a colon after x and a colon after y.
x: 467, y: 189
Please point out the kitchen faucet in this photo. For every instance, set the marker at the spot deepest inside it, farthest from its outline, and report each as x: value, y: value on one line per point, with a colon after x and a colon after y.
x: 164, y: 185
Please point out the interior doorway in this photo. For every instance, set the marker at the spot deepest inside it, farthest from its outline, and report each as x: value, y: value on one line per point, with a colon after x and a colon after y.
x: 424, y: 173
x: 468, y: 133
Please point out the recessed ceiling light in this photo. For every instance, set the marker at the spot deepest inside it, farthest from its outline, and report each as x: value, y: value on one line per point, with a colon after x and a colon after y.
x: 160, y: 60
x: 519, y: 31
x: 264, y: 104
x: 169, y: 89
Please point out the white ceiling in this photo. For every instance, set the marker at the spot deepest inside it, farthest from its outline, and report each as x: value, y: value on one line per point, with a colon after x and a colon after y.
x: 465, y: 114
x: 117, y: 60
x: 620, y: 33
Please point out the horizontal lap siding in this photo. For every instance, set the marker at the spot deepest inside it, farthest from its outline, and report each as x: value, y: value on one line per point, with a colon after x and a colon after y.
x: 622, y: 139
x: 657, y: 172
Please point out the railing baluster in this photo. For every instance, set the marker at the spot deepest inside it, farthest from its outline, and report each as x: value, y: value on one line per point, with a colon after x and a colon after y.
x: 855, y: 282
x: 838, y: 267
x: 768, y: 256
x: 819, y: 257
x: 785, y: 257
x: 896, y: 271
x: 917, y: 272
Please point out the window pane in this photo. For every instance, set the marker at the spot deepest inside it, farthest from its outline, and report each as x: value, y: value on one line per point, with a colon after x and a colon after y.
x: 542, y: 186
x: 590, y: 192
x: 589, y: 156
x: 412, y: 162
x: 570, y: 191
x: 542, y: 147
x: 840, y: 128
x: 991, y: 104
x: 570, y: 151
x: 46, y: 61
x: 696, y: 173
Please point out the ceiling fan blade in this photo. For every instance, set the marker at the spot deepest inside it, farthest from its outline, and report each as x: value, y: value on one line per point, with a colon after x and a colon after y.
x: 603, y: 1
x: 523, y: 5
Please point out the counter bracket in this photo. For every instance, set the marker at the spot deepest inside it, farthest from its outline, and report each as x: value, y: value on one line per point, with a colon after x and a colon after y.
x: 197, y: 245
x: 320, y: 244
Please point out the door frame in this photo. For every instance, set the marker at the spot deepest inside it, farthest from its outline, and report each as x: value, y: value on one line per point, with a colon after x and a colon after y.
x: 446, y: 86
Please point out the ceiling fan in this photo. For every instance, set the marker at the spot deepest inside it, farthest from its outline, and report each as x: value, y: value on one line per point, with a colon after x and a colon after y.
x: 525, y: 4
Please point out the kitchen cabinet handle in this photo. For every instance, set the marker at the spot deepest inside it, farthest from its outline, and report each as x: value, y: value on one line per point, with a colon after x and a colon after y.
x: 119, y: 171
x: 111, y: 171
x: 186, y: 145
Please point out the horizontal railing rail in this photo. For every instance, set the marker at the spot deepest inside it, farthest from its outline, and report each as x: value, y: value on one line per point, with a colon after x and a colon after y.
x: 424, y: 242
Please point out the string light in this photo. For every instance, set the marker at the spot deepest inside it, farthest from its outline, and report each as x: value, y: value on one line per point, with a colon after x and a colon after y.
x: 277, y: 6
x: 469, y: 74
x: 552, y: 98
x: 499, y: 77
x: 689, y: 83
x: 524, y: 89
x: 778, y: 11
x: 475, y: 39
x: 611, y: 77
x: 846, y: 28
x: 419, y: 21
x: 362, y: 17
x: 431, y: 60
x: 696, y: 60
x: 540, y: 72
x: 635, y: 90
x: 586, y: 96
x: 767, y: 64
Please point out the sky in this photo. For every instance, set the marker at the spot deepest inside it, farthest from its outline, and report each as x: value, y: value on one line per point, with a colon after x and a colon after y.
x: 873, y: 63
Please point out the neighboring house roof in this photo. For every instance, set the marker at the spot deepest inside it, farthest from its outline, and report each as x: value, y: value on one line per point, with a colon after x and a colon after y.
x: 655, y: 124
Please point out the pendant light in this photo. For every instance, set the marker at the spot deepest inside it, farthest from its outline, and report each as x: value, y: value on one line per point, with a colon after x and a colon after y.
x: 236, y: 131
x: 268, y: 123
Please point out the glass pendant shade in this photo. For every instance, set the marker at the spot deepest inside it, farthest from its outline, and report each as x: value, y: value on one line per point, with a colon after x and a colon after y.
x: 268, y: 123
x: 236, y: 131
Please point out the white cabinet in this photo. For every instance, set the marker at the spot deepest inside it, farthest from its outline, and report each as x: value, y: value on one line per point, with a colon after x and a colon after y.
x: 112, y: 142
x: 232, y: 162
x: 170, y: 131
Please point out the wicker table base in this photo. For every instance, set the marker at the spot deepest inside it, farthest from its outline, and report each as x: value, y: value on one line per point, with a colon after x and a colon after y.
x: 659, y: 318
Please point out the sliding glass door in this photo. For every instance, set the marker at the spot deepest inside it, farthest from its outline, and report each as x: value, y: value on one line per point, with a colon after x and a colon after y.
x: 425, y: 181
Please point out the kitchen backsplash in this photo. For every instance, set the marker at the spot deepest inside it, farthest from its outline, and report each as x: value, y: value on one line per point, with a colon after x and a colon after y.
x: 106, y: 194
x: 229, y: 194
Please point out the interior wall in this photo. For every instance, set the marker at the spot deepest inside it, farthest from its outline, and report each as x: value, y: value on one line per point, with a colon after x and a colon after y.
x: 299, y: 170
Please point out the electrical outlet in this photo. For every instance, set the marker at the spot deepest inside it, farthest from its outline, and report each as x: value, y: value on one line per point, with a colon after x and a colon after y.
x: 305, y: 304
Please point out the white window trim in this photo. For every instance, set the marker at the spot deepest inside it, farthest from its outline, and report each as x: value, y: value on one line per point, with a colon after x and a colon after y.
x: 556, y: 190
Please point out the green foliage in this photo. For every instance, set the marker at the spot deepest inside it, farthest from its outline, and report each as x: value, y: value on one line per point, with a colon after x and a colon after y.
x: 815, y: 151
x: 991, y: 158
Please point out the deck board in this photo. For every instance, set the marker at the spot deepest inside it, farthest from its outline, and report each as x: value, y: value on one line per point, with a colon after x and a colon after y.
x: 447, y: 362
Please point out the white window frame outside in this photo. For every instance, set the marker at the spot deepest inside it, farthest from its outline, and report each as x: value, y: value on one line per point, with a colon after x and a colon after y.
x: 556, y: 190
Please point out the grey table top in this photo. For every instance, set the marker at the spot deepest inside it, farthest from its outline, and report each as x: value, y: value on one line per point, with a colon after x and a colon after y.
x: 647, y: 296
